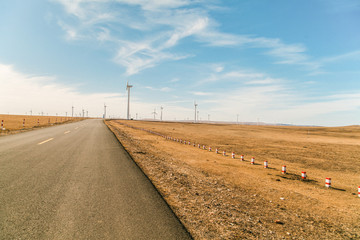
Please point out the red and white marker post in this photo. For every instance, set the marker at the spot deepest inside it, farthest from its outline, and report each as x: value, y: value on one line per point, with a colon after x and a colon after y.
x: 303, y: 175
x: 328, y: 182
x: 252, y: 161
x: 233, y: 155
x: 242, y: 157
x: 224, y: 153
x: 204, y: 147
x: 359, y: 191
x: 283, y: 169
x: 2, y: 124
x: 194, y: 144
x: 266, y: 164
x: 199, y: 145
x: 209, y: 149
x: 24, y: 123
x: 217, y: 151
x: 189, y: 143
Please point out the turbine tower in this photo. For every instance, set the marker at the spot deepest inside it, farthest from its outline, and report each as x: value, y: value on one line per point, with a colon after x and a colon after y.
x: 155, y: 113
x: 161, y: 115
x: 195, y: 104
x: 104, y: 110
x: 128, y: 106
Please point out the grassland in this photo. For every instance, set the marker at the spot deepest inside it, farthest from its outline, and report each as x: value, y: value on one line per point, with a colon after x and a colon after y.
x: 19, y: 123
x: 217, y: 197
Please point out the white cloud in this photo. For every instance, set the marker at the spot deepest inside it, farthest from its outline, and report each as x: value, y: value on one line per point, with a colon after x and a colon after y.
x: 163, y: 89
x: 163, y: 24
x: 350, y: 55
x: 24, y: 92
x: 201, y: 93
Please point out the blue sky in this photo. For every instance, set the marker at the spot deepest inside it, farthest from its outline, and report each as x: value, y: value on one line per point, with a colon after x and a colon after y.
x: 279, y: 61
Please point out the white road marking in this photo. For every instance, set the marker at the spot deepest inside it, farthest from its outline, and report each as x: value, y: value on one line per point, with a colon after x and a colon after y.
x: 46, y: 141
x: 66, y: 132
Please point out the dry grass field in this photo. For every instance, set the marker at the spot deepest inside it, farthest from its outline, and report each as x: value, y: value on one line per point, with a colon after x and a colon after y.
x: 15, y: 123
x: 217, y: 197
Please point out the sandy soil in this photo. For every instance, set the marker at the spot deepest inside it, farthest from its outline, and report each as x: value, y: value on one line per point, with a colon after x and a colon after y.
x: 14, y: 123
x: 217, y: 197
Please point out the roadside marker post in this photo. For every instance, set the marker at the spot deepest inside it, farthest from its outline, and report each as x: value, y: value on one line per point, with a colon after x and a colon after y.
x: 209, y: 149
x: 283, y: 169
x: 217, y: 151
x: 266, y: 164
x: 303, y: 175
x: 2, y: 124
x: 359, y: 191
x: 204, y: 147
x: 252, y: 161
x: 189, y: 143
x: 328, y: 182
x: 199, y: 145
x: 233, y: 155
x: 224, y: 153
x: 242, y: 157
x: 24, y: 123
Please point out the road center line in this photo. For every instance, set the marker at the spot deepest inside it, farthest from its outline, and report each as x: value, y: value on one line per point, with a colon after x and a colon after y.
x: 66, y: 132
x: 46, y: 141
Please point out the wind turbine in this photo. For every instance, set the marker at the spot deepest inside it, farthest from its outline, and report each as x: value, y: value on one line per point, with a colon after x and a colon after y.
x: 195, y: 104
x: 128, y: 106
x: 161, y: 113
x: 104, y: 110
x: 154, y: 112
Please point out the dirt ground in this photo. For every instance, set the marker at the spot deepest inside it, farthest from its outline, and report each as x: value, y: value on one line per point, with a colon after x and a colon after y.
x: 217, y: 197
x: 15, y: 123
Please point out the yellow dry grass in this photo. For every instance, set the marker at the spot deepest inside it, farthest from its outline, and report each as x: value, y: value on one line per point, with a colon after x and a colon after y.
x: 15, y: 123
x: 321, y: 152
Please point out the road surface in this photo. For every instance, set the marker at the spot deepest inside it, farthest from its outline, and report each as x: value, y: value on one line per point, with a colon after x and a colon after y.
x: 75, y: 181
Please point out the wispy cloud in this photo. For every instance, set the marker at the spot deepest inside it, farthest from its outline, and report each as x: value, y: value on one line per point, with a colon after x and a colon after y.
x: 25, y: 92
x: 346, y: 56
x: 202, y: 93
x: 162, y: 25
x: 163, y: 89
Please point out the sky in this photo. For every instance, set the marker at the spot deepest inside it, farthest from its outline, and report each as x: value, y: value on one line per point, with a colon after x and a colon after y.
x: 291, y: 62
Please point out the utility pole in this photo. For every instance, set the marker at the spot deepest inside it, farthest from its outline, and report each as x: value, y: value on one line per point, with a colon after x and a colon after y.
x: 161, y: 113
x: 128, y: 106
x: 72, y: 111
x: 237, y: 118
x: 104, y: 111
x: 195, y: 104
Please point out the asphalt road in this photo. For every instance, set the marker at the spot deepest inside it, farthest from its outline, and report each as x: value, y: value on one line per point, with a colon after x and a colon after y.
x: 75, y: 181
